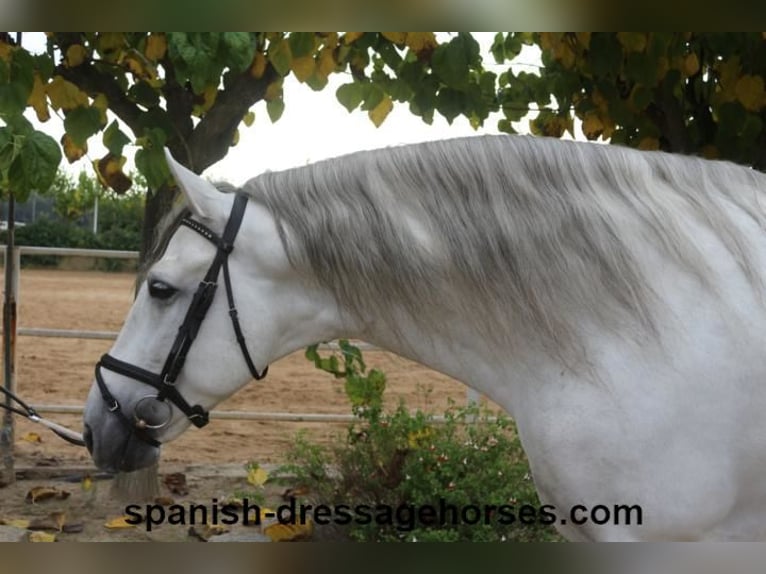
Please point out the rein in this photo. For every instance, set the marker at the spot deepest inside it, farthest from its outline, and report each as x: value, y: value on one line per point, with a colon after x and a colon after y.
x: 30, y: 413
x: 165, y: 381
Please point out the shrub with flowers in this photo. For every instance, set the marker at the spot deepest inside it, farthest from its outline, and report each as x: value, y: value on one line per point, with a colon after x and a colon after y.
x: 404, y: 476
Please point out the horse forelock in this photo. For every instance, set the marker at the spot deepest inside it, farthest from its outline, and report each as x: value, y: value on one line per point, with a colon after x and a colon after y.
x: 510, y: 232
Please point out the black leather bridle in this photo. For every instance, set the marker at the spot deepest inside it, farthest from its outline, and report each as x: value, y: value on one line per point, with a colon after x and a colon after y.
x: 165, y: 381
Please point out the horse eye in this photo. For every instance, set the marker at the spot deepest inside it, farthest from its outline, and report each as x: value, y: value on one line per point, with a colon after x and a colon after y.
x: 161, y: 290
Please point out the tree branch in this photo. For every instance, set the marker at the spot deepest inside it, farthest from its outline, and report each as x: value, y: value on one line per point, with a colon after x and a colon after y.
x: 669, y: 116
x: 211, y: 139
x: 94, y: 82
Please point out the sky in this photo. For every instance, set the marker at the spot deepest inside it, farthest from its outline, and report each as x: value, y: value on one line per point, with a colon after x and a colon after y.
x: 314, y: 126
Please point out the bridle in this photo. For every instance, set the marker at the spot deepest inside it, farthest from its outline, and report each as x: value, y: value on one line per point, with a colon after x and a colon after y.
x: 165, y: 381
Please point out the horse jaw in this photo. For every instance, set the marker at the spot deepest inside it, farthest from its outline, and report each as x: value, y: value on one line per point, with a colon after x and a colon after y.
x: 203, y: 198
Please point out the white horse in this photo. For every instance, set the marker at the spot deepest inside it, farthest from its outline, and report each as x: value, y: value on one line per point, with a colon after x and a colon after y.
x: 611, y: 300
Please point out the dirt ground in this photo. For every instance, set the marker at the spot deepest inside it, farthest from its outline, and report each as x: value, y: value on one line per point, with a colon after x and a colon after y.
x: 60, y: 371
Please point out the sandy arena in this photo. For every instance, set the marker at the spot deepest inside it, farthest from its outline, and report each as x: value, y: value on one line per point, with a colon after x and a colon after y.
x: 60, y: 371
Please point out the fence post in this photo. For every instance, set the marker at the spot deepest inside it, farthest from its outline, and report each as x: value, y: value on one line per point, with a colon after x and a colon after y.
x: 12, y: 266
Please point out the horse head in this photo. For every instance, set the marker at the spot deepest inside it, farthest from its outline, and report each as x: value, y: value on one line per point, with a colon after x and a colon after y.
x: 220, y: 303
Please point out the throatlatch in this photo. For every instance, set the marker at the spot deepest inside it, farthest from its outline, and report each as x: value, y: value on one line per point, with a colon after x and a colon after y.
x: 165, y: 381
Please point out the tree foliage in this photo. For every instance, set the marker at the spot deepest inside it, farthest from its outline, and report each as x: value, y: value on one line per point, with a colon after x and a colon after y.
x: 682, y: 92
x: 700, y: 93
x: 191, y: 91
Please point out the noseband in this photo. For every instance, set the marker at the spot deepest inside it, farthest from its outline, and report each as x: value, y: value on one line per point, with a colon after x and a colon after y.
x: 165, y: 381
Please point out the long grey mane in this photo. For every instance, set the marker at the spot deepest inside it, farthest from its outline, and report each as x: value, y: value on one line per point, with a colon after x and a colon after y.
x: 514, y: 232
x: 536, y: 226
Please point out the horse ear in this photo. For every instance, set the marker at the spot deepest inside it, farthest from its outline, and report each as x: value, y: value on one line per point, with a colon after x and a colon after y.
x: 202, y: 196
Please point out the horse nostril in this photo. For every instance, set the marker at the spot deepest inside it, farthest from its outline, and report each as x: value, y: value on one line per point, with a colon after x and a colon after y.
x: 87, y: 437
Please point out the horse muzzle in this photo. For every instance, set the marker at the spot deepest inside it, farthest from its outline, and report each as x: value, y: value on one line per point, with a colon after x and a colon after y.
x: 113, y: 447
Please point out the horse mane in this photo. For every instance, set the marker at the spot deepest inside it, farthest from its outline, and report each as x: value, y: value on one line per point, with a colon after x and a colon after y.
x: 535, y: 225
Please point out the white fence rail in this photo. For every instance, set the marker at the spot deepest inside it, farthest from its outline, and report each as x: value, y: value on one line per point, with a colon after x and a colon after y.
x: 471, y: 395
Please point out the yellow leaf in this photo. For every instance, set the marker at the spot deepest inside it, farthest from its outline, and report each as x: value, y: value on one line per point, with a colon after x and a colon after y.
x: 420, y: 41
x: 663, y: 65
x: 248, y: 119
x: 119, y: 523
x: 546, y: 40
x: 583, y: 38
x: 256, y: 475
x: 379, y: 113
x: 327, y: 63
x: 59, y: 519
x: 65, y: 95
x: 101, y: 104
x: 351, y: 37
x: 75, y: 55
x: 204, y: 101
x: 330, y: 39
x: 5, y: 51
x: 156, y: 46
x: 258, y: 67
x: 750, y: 92
x: 288, y: 532
x: 32, y: 437
x: 274, y: 90
x: 38, y: 493
x: 109, y: 173
x: 691, y: 64
x: 632, y: 41
x: 710, y: 152
x: 592, y: 126
x: 40, y: 536
x: 395, y: 37
x: 37, y: 99
x: 649, y: 143
x: 728, y: 72
x: 563, y: 52
x: 139, y: 67
x: 16, y: 522
x: 111, y: 44
x: 302, y: 67
x: 235, y: 138
x: 72, y: 151
x: 87, y: 483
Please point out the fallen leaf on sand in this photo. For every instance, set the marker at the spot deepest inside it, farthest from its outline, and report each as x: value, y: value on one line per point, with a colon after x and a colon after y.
x: 119, y: 523
x: 42, y: 537
x: 17, y: 522
x: 40, y: 493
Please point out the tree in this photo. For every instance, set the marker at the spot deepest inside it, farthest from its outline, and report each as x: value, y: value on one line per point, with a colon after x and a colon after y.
x: 700, y: 93
x: 191, y: 91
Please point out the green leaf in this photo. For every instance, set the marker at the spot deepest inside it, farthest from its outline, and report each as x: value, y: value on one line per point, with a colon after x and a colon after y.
x: 35, y: 165
x: 114, y: 139
x: 275, y: 108
x: 350, y: 95
x: 373, y: 95
x: 143, y: 94
x: 239, y: 50
x: 449, y: 103
x: 16, y: 81
x: 81, y: 123
x: 453, y: 61
x: 197, y: 57
x: 150, y: 159
x: 498, y: 48
x: 280, y: 56
x: 301, y: 44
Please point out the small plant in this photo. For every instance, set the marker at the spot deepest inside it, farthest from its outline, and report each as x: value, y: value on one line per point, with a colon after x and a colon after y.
x: 468, y: 467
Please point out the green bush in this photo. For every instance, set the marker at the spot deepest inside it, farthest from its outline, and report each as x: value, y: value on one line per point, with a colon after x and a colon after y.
x: 407, y: 461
